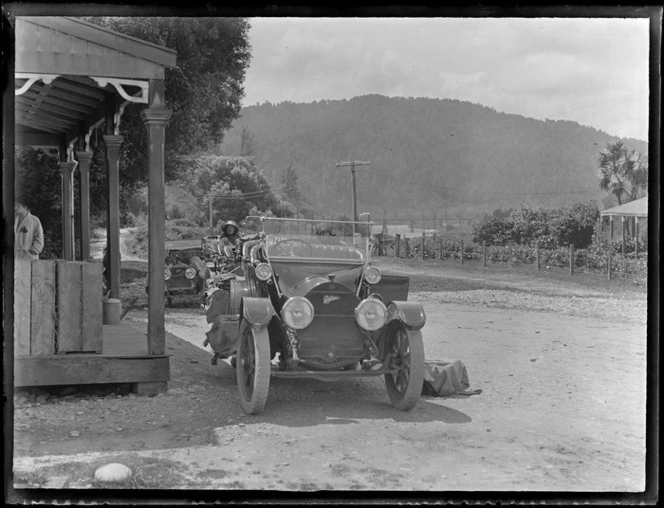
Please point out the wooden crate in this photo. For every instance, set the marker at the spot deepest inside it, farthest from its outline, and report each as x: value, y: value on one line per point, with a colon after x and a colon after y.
x: 42, y: 322
x: 22, y: 306
x: 79, y: 307
x: 69, y: 307
x: 92, y: 309
x: 57, y: 307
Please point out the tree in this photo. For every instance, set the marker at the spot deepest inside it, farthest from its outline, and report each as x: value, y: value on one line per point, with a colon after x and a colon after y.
x: 248, y: 145
x: 496, y: 231
x: 204, y: 91
x: 290, y: 187
x: 623, y: 172
x: 575, y: 225
x: 38, y: 182
x: 235, y: 185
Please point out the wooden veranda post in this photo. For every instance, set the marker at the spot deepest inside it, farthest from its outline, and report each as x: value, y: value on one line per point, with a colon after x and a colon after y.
x: 610, y: 227
x: 84, y: 167
x: 397, y: 243
x: 113, y: 143
x: 155, y: 118
x: 636, y: 237
x: 67, y: 170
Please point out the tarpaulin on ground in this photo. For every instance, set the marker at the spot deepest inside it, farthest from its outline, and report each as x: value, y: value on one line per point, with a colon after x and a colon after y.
x: 222, y: 327
x: 446, y: 378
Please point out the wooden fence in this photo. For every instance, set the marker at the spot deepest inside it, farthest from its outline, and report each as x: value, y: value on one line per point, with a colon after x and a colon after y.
x: 436, y: 247
x: 57, y: 307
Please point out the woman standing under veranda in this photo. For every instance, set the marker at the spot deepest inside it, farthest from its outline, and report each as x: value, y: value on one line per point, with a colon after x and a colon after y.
x: 28, y: 233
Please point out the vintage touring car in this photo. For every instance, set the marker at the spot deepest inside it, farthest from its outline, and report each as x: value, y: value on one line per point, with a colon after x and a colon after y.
x: 186, y: 273
x: 310, y: 304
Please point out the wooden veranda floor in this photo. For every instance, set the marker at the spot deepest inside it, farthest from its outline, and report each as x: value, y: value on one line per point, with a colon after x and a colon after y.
x: 124, y: 359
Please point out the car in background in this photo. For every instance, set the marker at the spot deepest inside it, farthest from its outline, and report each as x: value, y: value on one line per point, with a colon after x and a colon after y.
x: 186, y: 273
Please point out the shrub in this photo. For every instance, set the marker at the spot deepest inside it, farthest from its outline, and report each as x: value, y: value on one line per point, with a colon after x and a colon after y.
x: 183, y: 223
x: 496, y: 231
x: 575, y: 225
x: 175, y: 213
x: 551, y: 228
x: 127, y: 220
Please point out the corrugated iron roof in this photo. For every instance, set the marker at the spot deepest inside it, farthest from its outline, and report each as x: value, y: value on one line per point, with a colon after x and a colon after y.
x: 636, y: 208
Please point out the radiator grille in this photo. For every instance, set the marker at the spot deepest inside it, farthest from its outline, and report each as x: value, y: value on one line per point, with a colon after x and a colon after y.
x: 333, y: 335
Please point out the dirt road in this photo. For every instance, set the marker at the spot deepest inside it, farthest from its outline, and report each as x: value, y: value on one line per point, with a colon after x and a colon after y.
x: 562, y: 407
x: 99, y: 242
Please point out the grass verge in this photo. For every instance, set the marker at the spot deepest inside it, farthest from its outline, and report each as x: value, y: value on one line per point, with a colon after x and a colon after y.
x: 147, y: 472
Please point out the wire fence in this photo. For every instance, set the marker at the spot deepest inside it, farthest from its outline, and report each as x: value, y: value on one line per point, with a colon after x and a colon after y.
x: 464, y: 250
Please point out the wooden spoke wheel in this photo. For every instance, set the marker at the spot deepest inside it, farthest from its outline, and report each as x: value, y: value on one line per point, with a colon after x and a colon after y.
x: 407, y: 356
x: 253, y: 368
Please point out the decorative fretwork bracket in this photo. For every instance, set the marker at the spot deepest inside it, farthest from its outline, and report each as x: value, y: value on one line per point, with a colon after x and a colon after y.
x: 120, y: 83
x: 117, y: 117
x: 89, y: 134
x: 70, y: 151
x: 32, y: 79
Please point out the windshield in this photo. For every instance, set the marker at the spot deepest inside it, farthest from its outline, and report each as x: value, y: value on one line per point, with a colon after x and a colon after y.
x: 303, y: 239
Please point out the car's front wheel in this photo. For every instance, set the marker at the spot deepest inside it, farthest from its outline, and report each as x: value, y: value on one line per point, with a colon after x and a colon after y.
x: 253, y: 368
x: 406, y: 351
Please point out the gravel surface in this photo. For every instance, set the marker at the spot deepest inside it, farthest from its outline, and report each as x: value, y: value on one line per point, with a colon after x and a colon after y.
x: 609, y: 309
x: 561, y: 365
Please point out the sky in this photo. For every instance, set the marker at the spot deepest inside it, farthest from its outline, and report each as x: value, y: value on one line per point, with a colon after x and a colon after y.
x: 593, y: 71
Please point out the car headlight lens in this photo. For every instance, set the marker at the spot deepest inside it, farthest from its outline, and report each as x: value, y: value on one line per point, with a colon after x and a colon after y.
x: 297, y: 312
x: 372, y: 275
x: 190, y: 273
x: 167, y: 274
x: 263, y: 271
x: 371, y: 314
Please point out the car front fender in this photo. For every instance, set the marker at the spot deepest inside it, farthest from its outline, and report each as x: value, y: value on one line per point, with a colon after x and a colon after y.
x: 411, y: 314
x: 257, y: 311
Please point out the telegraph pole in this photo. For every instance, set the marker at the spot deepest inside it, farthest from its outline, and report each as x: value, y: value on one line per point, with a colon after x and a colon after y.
x: 352, y: 165
x: 211, y: 224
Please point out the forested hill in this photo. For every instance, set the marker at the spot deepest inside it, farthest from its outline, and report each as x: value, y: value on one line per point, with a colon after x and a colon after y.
x: 424, y: 154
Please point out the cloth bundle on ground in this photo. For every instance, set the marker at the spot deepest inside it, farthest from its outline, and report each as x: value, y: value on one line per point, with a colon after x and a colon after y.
x: 222, y: 327
x: 446, y: 378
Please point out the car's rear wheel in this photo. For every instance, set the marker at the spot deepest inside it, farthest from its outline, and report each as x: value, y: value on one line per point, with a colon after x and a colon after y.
x: 253, y: 368
x: 407, y: 356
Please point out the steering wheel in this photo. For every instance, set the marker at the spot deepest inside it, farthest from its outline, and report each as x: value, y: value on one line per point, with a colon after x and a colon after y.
x: 292, y: 246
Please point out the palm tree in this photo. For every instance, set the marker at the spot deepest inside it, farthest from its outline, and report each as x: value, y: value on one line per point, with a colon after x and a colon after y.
x: 623, y: 172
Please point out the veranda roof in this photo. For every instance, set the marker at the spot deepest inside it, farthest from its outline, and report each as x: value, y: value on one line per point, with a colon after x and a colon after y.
x: 67, y: 72
x: 636, y: 208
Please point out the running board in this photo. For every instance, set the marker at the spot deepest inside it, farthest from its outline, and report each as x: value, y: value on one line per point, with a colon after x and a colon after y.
x: 330, y: 375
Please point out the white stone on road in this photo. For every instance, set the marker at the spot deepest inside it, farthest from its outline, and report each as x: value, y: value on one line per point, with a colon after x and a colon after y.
x: 113, y: 473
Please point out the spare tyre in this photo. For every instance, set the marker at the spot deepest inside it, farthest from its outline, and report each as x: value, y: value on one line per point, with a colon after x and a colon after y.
x: 202, y: 271
x: 197, y: 263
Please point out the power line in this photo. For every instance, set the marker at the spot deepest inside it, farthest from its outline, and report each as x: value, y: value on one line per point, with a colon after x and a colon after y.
x: 440, y: 187
x: 248, y: 195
